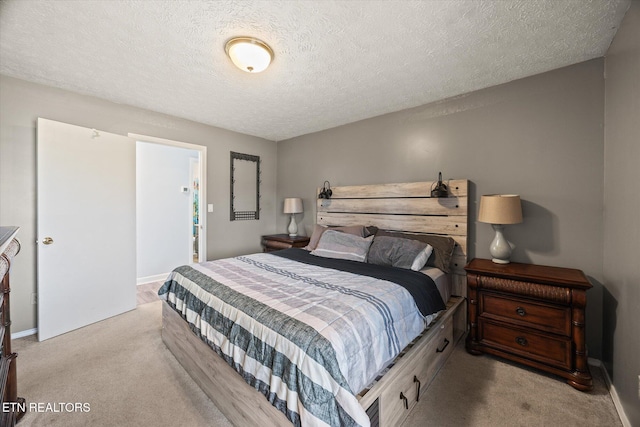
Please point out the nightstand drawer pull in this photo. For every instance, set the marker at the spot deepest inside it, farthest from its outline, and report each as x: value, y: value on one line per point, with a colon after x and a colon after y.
x: 446, y: 343
x: 522, y: 341
x: 521, y: 311
x: 416, y: 380
x: 406, y: 402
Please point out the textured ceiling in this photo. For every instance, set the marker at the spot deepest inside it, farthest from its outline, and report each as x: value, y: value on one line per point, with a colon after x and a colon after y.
x: 336, y: 62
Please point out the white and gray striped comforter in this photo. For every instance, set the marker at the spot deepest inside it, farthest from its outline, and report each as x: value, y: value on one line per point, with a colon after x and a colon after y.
x: 308, y: 338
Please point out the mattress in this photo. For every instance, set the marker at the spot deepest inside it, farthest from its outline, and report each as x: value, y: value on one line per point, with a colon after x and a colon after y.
x: 441, y: 279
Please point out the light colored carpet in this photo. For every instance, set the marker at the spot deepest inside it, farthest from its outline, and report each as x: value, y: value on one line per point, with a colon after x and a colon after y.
x: 484, y: 391
x: 123, y: 370
x: 121, y: 367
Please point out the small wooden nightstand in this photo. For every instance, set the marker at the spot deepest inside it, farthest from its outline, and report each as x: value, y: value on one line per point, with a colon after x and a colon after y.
x: 530, y: 314
x: 274, y: 242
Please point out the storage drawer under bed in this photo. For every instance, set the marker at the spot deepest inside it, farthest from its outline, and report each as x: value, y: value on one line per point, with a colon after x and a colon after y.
x: 411, y: 381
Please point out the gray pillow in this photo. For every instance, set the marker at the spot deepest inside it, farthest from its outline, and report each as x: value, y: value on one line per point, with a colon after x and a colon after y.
x: 443, y: 247
x: 336, y: 244
x: 398, y: 252
x: 357, y: 230
x: 318, y: 231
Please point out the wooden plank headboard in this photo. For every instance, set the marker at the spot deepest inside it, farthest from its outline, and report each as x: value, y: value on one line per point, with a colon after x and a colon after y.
x: 406, y: 207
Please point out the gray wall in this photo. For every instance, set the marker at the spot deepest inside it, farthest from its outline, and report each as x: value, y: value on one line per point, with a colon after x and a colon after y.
x: 21, y: 103
x: 163, y: 213
x: 540, y: 137
x: 621, y: 333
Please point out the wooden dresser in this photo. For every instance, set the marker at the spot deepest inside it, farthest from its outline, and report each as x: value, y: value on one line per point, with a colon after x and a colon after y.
x: 530, y: 314
x: 12, y: 406
x: 274, y: 242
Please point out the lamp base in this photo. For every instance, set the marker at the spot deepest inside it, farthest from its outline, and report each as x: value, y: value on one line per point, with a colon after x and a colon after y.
x: 500, y: 248
x: 293, y: 227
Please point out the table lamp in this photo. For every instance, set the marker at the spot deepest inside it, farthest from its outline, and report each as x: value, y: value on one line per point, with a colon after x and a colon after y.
x: 499, y: 210
x: 293, y: 206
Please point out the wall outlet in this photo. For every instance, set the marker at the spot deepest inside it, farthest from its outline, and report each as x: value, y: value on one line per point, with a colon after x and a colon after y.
x: 34, y: 298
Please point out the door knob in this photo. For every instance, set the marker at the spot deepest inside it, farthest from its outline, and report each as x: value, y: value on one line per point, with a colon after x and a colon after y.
x: 47, y: 240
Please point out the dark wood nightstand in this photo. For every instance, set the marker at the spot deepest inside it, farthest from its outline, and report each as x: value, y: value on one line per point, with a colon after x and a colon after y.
x: 274, y: 242
x: 531, y: 314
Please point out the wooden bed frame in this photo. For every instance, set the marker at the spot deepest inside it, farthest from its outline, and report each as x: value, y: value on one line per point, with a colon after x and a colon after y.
x: 405, y: 207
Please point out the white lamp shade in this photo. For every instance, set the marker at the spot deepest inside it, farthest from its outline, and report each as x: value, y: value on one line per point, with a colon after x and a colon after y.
x: 249, y: 54
x: 293, y: 205
x: 500, y: 209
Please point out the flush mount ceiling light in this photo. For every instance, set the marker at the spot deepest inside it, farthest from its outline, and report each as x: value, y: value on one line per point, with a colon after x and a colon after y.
x: 249, y: 54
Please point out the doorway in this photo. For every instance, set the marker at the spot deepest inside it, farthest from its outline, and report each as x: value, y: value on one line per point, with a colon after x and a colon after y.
x: 86, y: 224
x: 170, y: 178
x: 194, y: 202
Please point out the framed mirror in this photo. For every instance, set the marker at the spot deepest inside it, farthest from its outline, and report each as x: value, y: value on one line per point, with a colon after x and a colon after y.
x: 245, y: 186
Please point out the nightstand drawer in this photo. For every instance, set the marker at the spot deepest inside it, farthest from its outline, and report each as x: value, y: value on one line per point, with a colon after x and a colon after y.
x: 526, y: 343
x: 549, y: 318
x: 274, y: 245
x: 275, y: 242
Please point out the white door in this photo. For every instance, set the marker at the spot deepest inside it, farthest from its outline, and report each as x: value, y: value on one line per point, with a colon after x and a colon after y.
x: 86, y: 226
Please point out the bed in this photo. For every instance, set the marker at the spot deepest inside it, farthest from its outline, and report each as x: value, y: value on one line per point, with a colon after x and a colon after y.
x: 318, y: 340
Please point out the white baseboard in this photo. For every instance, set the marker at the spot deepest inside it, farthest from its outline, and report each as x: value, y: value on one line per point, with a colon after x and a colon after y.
x: 612, y: 391
x: 149, y: 279
x: 22, y: 334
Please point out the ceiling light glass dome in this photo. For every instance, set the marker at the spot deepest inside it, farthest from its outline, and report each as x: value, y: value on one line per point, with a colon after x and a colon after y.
x: 249, y: 54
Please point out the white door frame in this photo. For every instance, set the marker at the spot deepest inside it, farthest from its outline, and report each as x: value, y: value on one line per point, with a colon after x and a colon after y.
x: 193, y: 164
x: 202, y: 158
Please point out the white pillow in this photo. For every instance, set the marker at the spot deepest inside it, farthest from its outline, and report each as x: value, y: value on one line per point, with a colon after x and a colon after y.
x: 421, y: 259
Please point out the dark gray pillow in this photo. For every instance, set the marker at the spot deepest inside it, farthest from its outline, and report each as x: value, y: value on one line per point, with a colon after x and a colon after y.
x: 443, y: 247
x: 370, y: 230
x: 395, y: 251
